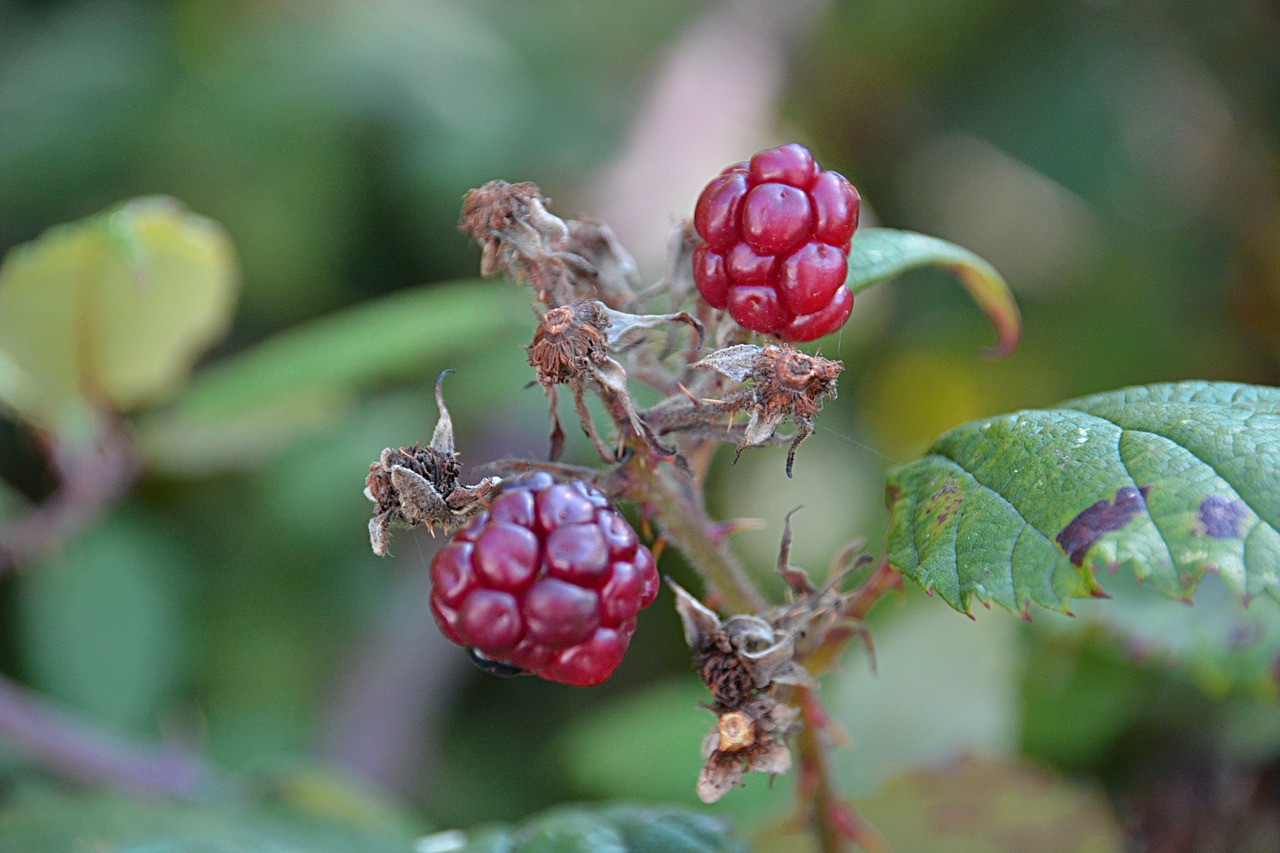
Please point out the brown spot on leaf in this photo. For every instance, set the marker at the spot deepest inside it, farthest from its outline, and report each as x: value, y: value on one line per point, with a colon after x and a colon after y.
x: 1102, y: 518
x: 1220, y: 517
x: 945, y: 502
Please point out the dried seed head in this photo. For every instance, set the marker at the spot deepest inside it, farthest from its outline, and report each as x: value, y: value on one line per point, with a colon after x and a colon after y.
x: 785, y: 383
x: 568, y: 342
x: 794, y: 382
x: 570, y: 347
x: 748, y: 662
x: 521, y: 239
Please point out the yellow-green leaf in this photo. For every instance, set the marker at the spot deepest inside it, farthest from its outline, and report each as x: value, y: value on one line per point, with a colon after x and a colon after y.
x: 111, y: 311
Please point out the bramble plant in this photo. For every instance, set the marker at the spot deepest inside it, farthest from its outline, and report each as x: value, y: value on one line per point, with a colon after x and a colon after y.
x: 763, y: 264
x: 1133, y: 495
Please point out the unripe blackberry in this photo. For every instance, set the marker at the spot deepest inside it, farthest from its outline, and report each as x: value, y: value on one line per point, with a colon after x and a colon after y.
x: 549, y: 579
x: 777, y: 232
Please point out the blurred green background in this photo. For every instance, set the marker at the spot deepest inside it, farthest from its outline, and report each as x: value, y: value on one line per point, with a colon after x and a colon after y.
x: 1119, y: 162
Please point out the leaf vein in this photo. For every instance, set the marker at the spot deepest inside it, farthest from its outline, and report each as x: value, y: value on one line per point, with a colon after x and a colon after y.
x: 1173, y: 563
x: 1273, y: 524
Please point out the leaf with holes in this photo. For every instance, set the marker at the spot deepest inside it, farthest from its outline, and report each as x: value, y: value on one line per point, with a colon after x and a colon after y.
x: 1169, y: 481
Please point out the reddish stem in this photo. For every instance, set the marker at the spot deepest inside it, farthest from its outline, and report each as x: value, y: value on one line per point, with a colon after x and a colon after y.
x: 834, y: 822
x: 677, y: 507
x: 94, y: 475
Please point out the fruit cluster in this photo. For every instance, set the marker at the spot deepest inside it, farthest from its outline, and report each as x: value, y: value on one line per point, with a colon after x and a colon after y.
x: 777, y: 232
x: 547, y: 580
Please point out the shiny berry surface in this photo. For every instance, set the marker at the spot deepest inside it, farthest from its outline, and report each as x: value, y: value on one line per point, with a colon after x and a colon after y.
x: 776, y: 234
x: 548, y: 580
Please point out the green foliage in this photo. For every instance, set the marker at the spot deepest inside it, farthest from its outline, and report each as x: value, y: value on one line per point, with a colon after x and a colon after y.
x: 1167, y: 480
x: 976, y: 805
x: 879, y: 254
x: 611, y: 829
x: 47, y: 822
x: 245, y: 406
x: 1221, y: 641
x: 102, y: 624
x: 111, y: 311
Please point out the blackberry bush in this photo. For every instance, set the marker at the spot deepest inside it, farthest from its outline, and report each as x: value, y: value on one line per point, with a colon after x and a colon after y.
x: 542, y: 575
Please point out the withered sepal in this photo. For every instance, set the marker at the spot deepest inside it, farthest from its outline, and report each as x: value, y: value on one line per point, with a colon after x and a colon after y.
x: 571, y: 347
x: 784, y: 383
x: 419, y: 485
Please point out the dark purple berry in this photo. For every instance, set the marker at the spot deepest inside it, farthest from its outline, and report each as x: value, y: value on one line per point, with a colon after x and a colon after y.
x: 548, y: 580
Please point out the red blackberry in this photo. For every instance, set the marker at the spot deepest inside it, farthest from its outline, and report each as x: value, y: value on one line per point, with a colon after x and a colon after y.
x: 777, y: 232
x: 547, y: 580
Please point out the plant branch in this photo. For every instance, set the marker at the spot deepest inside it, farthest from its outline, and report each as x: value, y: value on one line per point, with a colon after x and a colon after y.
x: 93, y: 475
x: 684, y: 522
x: 884, y: 578
x: 834, y: 822
x: 58, y: 742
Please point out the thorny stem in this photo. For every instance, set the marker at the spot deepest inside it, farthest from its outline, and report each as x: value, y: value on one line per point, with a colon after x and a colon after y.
x: 684, y: 522
x: 833, y: 821
x: 884, y: 578
x: 57, y: 741
x: 880, y: 581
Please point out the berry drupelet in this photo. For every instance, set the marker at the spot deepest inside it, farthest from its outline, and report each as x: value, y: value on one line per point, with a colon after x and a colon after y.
x: 777, y: 232
x: 547, y: 580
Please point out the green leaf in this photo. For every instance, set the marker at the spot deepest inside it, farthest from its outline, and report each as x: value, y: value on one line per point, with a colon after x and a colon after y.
x: 879, y: 254
x: 102, y: 624
x: 1169, y: 481
x: 609, y: 829
x: 111, y: 311
x: 46, y: 822
x: 258, y: 398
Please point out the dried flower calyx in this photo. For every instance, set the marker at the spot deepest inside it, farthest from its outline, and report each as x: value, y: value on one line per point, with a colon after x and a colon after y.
x: 523, y: 240
x: 747, y: 662
x: 741, y: 660
x: 419, y: 485
x: 571, y: 347
x: 782, y: 382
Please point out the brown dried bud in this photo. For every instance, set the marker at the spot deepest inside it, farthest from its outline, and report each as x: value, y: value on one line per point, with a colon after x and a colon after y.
x: 785, y: 383
x: 569, y: 342
x: 520, y: 238
x: 419, y: 485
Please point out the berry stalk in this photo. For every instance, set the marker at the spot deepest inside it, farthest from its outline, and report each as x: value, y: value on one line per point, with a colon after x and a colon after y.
x: 686, y: 525
x: 833, y: 821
